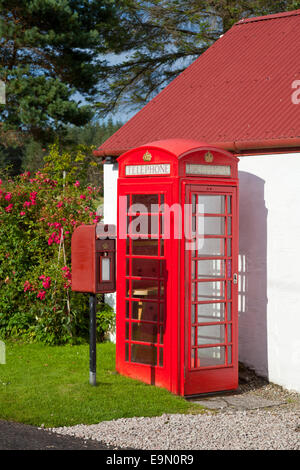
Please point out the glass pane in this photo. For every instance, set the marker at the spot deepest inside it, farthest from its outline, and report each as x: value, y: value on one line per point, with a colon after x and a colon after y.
x: 193, y: 336
x: 229, y: 290
x: 127, y: 267
x: 229, y: 355
x: 146, y: 201
x: 211, y: 204
x: 145, y: 289
x: 229, y: 205
x: 194, y: 202
x: 229, y: 334
x: 161, y: 357
x: 144, y: 354
x: 211, y: 225
x: 229, y: 226
x: 210, y: 291
x: 161, y: 335
x: 143, y: 225
x: 127, y: 309
x: 126, y: 330
x: 105, y: 269
x: 193, y: 313
x: 228, y: 247
x: 162, y: 312
x: 211, y: 334
x: 144, y: 332
x: 194, y: 227
x: 211, y: 356
x: 145, y: 267
x: 126, y: 352
x: 229, y: 311
x: 145, y: 310
x: 210, y: 247
x: 193, y: 359
x: 162, y: 224
x: 145, y: 247
x: 210, y: 312
x: 209, y: 268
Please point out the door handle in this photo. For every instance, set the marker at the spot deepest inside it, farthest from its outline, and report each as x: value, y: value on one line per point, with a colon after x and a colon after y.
x: 235, y: 278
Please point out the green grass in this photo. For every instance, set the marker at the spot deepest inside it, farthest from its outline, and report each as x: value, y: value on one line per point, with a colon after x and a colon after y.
x: 49, y: 385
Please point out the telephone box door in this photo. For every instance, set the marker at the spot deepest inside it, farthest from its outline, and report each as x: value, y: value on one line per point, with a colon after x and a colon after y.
x: 144, y: 288
x: 211, y: 266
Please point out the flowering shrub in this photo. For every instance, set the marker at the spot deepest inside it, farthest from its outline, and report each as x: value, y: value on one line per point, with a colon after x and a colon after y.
x: 38, y: 215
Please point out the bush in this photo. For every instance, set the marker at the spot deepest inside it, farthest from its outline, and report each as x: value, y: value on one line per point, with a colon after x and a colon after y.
x: 38, y: 214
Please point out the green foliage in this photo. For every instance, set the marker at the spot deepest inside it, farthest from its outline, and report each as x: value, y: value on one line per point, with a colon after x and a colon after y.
x: 29, y: 155
x: 50, y: 51
x: 167, y: 36
x: 105, y: 321
x: 50, y: 386
x: 38, y: 214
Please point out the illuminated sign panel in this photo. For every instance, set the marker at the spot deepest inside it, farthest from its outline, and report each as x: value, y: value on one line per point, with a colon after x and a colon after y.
x: 216, y: 170
x: 148, y: 170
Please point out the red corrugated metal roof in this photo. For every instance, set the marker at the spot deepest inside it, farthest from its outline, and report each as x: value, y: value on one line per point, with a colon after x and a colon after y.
x: 237, y: 95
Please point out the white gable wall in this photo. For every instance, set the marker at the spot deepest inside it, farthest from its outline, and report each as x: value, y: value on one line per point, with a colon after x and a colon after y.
x: 269, y: 284
x: 269, y: 304
x: 110, y: 178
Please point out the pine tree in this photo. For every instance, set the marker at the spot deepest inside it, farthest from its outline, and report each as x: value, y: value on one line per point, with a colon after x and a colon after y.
x: 166, y: 36
x: 49, y: 53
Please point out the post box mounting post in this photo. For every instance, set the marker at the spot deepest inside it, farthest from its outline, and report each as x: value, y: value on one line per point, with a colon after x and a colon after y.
x: 93, y: 362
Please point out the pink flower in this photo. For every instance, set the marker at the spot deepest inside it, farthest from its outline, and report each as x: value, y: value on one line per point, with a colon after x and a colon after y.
x: 54, y: 238
x: 27, y: 204
x: 82, y: 196
x: 77, y: 184
x: 41, y: 295
x: 9, y: 208
x: 32, y: 198
x: 7, y: 196
x: 60, y: 204
x: 27, y: 286
x: 67, y: 273
x: 22, y: 213
x: 0, y: 181
x: 46, y: 282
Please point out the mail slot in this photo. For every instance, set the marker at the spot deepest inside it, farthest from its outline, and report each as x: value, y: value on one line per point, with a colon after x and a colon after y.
x: 93, y: 259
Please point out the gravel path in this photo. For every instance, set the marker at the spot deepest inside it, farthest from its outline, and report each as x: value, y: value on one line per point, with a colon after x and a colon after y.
x: 275, y: 428
x: 231, y: 430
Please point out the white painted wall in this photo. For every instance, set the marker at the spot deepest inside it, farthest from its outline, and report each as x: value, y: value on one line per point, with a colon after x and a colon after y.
x: 110, y: 178
x: 269, y: 304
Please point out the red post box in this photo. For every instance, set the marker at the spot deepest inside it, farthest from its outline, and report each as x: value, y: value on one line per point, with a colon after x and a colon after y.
x: 177, y: 293
x: 93, y: 252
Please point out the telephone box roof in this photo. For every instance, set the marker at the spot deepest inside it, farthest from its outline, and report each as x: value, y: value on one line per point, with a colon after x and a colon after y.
x: 236, y: 96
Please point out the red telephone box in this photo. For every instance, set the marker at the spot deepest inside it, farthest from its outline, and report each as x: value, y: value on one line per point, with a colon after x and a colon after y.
x: 177, y: 264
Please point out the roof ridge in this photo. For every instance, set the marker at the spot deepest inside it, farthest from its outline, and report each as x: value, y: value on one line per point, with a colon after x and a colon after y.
x: 274, y: 16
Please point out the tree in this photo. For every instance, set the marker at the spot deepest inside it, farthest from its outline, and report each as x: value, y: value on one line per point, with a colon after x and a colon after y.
x: 49, y: 52
x: 166, y: 36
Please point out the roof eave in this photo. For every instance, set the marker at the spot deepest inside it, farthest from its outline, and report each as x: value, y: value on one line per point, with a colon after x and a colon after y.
x: 235, y: 146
